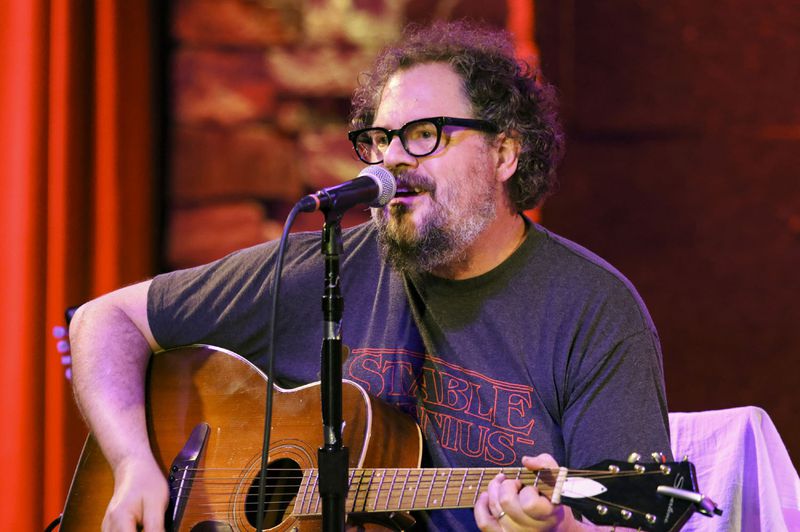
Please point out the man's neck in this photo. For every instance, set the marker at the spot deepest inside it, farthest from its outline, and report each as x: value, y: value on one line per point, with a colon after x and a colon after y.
x: 493, y: 246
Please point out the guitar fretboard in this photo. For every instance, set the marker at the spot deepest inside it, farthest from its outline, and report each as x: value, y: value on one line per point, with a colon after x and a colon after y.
x: 392, y: 489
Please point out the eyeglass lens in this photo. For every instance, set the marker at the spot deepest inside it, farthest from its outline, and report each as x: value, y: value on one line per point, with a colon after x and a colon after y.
x: 419, y: 139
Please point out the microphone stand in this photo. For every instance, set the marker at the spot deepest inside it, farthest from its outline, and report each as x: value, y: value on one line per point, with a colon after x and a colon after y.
x: 332, y: 457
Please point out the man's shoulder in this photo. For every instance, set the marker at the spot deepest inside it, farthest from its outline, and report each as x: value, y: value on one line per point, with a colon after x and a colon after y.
x: 361, y: 242
x: 582, y: 274
x: 364, y: 231
x: 571, y: 258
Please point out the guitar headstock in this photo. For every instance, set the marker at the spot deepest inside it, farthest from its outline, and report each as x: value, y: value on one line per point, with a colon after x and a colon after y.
x: 616, y: 493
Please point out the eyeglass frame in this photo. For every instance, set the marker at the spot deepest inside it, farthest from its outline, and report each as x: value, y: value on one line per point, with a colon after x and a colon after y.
x: 438, y: 121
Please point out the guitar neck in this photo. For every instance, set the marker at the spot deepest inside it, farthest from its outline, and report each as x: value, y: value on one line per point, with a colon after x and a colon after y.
x: 410, y: 489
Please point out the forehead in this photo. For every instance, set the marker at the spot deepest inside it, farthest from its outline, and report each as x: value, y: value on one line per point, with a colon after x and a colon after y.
x: 430, y: 89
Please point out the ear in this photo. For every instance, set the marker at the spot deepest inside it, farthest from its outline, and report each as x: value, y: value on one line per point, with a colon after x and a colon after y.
x: 507, y: 153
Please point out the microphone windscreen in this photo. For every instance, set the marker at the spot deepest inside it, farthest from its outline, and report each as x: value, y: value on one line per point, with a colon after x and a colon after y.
x: 386, y: 184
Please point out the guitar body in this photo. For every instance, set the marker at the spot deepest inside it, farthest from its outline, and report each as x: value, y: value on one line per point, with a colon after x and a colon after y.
x: 200, y: 384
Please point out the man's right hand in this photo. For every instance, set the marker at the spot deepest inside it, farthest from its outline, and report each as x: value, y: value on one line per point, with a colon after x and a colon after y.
x: 141, y: 495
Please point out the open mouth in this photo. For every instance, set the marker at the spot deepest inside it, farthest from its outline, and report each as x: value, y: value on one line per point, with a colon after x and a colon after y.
x: 405, y: 192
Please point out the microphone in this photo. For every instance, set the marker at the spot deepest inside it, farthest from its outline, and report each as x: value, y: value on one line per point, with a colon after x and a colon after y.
x: 374, y: 186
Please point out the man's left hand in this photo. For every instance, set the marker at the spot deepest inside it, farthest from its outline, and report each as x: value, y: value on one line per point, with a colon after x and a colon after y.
x: 507, y: 505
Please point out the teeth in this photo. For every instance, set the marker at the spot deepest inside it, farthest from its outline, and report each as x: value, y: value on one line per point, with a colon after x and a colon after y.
x: 410, y: 190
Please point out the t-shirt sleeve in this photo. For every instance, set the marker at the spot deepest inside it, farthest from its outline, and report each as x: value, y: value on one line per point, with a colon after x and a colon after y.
x: 228, y: 303
x: 224, y: 303
x: 617, y: 404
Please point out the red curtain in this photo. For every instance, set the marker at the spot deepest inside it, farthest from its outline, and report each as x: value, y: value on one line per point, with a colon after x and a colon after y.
x: 76, y: 188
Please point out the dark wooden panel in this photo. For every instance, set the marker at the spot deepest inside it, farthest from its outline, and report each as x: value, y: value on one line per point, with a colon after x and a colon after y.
x: 684, y: 145
x: 686, y: 65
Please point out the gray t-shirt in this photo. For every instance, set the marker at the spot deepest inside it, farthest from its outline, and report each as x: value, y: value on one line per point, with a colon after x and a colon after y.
x: 552, y: 351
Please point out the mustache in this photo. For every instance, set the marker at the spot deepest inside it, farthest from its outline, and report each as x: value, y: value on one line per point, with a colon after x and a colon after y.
x: 411, y: 179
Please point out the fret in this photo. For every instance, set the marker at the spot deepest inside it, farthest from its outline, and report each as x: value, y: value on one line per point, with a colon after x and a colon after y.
x: 356, y: 506
x: 370, y: 474
x: 369, y: 489
x: 316, y: 490
x: 403, y: 491
x: 391, y: 489
x: 479, y: 487
x: 416, y: 488
x: 444, y: 490
x: 536, y: 480
x: 306, y: 478
x: 461, y: 488
x: 382, y: 476
x: 352, y: 490
x: 430, y: 489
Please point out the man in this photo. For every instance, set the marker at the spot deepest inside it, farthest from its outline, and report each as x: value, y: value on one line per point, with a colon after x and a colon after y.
x: 502, y: 339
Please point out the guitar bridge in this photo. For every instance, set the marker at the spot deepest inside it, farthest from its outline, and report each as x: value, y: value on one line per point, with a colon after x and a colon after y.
x: 181, y: 474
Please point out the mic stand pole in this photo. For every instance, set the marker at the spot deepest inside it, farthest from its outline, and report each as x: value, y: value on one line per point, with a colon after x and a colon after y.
x: 332, y: 457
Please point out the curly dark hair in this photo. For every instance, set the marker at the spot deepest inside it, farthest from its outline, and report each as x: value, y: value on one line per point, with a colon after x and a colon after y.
x: 500, y: 88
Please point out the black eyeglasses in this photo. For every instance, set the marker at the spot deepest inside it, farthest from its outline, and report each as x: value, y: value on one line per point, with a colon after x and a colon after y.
x: 419, y: 137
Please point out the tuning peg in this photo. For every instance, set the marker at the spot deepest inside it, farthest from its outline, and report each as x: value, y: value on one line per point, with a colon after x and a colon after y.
x: 659, y: 458
x: 685, y: 458
x: 634, y: 457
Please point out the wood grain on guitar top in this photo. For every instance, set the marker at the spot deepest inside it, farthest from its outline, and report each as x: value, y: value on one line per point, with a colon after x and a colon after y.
x: 192, y: 385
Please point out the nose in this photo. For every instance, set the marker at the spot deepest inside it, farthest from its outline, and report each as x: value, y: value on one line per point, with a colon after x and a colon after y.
x: 396, y: 155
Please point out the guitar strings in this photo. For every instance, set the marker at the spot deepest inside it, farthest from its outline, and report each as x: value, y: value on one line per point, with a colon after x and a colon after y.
x: 456, y: 474
x: 425, y: 485
x: 288, y: 507
x: 364, y: 491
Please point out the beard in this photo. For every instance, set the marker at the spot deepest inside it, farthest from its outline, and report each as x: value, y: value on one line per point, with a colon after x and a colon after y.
x: 454, y: 219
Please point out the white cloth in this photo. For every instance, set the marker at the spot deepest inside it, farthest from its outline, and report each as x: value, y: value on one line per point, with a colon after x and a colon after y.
x: 742, y: 465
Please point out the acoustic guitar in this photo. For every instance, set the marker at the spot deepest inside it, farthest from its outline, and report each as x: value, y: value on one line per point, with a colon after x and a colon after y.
x: 205, y: 412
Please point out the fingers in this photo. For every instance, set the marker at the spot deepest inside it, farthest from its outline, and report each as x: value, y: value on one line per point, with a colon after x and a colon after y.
x: 119, y: 519
x: 154, y: 510
x: 499, y: 509
x: 541, y: 461
x: 517, y: 513
x: 141, y: 495
x: 495, y: 506
x: 483, y: 516
x: 126, y: 515
x: 507, y: 505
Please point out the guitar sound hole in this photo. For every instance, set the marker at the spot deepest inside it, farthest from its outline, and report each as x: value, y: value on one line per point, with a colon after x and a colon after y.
x: 283, y: 481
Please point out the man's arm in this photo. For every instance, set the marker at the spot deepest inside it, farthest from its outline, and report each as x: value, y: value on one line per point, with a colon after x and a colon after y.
x: 111, y: 345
